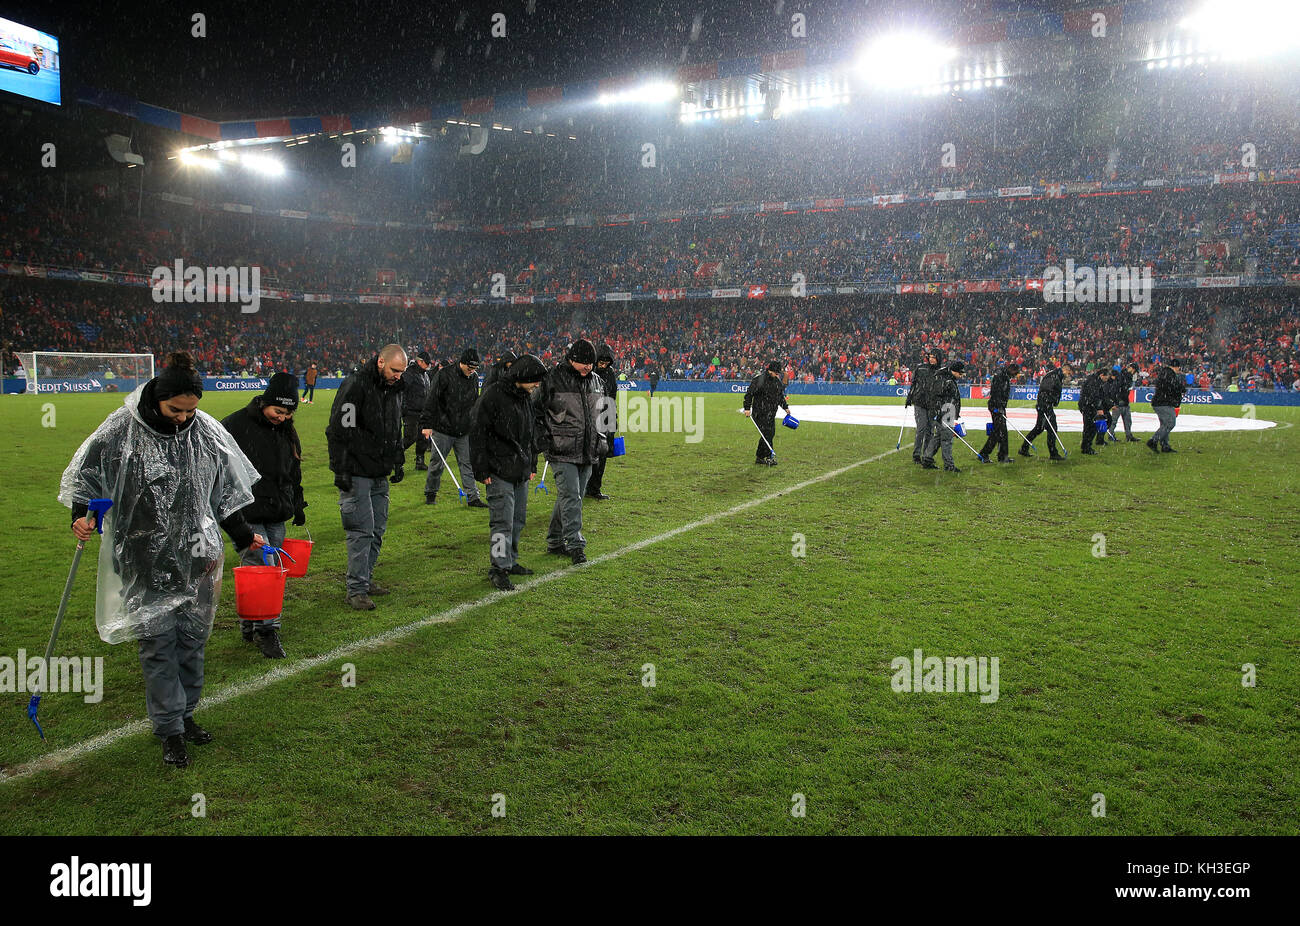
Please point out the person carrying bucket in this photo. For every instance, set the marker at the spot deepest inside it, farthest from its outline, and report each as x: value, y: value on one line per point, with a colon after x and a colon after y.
x: 264, y: 431
x: 176, y: 479
x: 764, y: 395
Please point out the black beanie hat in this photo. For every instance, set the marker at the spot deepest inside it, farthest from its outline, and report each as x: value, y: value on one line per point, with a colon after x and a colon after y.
x: 957, y: 367
x: 178, y: 378
x: 282, y: 391
x: 507, y: 357
x: 605, y: 353
x: 469, y: 357
x: 424, y: 355
x: 527, y: 369
x: 581, y: 351
x: 774, y: 366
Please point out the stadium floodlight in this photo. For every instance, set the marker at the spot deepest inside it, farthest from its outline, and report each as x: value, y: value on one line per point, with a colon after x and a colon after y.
x: 1246, y: 28
x: 263, y: 164
x: 190, y: 159
x: 652, y: 93
x: 902, y: 61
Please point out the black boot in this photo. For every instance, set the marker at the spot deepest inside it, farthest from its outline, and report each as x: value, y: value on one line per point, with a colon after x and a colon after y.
x: 928, y: 464
x: 1024, y: 449
x: 1155, y: 448
x: 500, y: 580
x: 420, y: 464
x: 1165, y: 448
x: 246, y: 631
x: 576, y: 555
x: 518, y: 570
x: 174, y: 751
x: 268, y: 642
x: 430, y: 499
x: 475, y: 503
x: 196, y: 734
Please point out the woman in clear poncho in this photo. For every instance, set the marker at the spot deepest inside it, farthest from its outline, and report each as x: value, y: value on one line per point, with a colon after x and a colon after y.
x: 176, y: 478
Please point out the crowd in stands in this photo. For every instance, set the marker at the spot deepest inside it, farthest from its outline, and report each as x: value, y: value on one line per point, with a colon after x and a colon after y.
x: 1227, y: 339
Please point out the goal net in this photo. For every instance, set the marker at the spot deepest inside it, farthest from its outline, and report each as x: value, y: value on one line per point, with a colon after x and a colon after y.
x: 58, y: 371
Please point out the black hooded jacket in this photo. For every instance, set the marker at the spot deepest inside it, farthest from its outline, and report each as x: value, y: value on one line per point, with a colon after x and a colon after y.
x: 1092, y: 395
x: 494, y: 372
x: 566, y: 405
x: 1049, y: 390
x: 999, y: 391
x: 501, y: 435
x: 765, y: 394
x: 276, y: 453
x: 1170, y: 387
x: 609, y: 403
x: 416, y: 388
x: 365, y: 429
x: 946, y: 391
x: 451, y: 399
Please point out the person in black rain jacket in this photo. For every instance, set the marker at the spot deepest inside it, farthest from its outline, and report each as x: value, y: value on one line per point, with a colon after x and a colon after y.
x: 503, y: 447
x: 445, y: 421
x: 1092, y: 398
x: 264, y: 431
x: 606, y: 418
x: 999, y: 395
x: 1049, y: 396
x: 765, y: 394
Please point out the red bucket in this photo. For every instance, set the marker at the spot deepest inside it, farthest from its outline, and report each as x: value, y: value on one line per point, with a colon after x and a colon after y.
x: 298, y: 554
x: 259, y: 592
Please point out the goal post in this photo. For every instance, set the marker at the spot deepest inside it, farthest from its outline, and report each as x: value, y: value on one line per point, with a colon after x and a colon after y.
x: 64, y: 371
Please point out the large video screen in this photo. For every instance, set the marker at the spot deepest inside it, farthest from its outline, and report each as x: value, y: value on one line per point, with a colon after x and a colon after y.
x: 29, y: 62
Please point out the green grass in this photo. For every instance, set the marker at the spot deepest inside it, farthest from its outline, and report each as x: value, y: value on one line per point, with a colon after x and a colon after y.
x: 1118, y: 675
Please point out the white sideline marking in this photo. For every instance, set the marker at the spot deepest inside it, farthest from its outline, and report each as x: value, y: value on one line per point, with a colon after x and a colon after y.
x: 71, y: 753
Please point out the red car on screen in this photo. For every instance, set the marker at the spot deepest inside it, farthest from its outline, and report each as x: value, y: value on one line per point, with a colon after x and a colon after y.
x: 11, y: 57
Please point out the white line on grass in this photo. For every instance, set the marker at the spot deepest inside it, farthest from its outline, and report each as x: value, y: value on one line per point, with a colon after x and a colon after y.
x: 62, y: 757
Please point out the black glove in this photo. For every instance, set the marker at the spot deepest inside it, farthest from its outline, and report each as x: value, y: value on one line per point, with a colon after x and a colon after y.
x: 299, y: 518
x: 343, y: 482
x: 398, y: 474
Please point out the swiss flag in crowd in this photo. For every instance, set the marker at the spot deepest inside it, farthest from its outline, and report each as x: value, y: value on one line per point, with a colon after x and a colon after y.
x: 757, y: 292
x: 1034, y: 284
x: 408, y: 302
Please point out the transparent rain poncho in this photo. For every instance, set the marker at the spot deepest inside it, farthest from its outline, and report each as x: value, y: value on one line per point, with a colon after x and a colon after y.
x: 162, y: 553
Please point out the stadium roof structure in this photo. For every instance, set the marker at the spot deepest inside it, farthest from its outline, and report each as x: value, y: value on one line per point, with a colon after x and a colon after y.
x: 764, y: 85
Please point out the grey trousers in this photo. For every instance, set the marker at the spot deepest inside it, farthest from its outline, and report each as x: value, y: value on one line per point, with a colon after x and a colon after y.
x: 566, y: 520
x: 922, y: 416
x: 940, y: 436
x: 365, y: 518
x: 173, y: 679
x: 274, y: 534
x: 1168, y: 418
x: 1116, y: 413
x: 508, y: 504
x: 445, y: 443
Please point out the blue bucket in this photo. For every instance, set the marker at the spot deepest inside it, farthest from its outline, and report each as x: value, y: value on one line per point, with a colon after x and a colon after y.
x: 790, y: 421
x: 988, y: 427
x: 618, y: 449
x: 959, y: 429
x: 1102, y: 425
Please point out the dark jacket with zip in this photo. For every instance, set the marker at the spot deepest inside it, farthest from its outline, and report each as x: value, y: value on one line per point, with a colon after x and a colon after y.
x: 566, y: 404
x: 1092, y: 395
x: 451, y: 399
x: 1049, y: 390
x: 415, y: 388
x: 501, y: 435
x: 276, y: 453
x: 609, y: 403
x: 947, y: 392
x: 999, y: 391
x: 365, y: 428
x: 1122, y: 383
x: 1170, y: 387
x: 765, y: 394
x: 919, y: 392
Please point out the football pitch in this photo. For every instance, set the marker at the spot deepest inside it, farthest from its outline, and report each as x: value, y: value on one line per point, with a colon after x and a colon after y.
x: 728, y: 660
